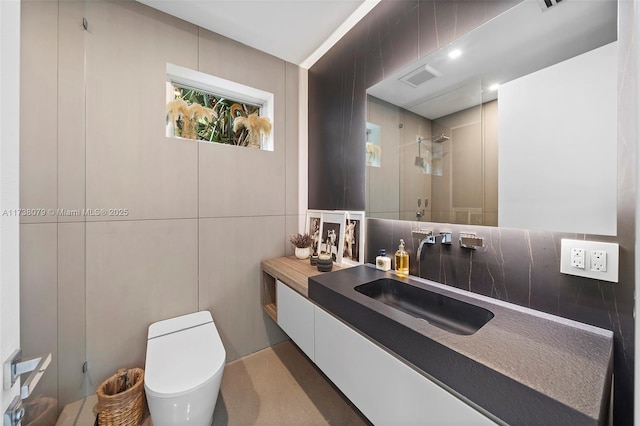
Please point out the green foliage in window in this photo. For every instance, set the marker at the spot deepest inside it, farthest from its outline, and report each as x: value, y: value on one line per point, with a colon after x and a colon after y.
x: 207, y: 117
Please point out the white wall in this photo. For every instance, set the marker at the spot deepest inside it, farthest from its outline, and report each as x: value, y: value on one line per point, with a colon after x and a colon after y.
x: 557, y: 137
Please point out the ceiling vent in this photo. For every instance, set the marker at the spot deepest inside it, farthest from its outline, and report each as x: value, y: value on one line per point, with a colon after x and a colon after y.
x: 548, y: 4
x: 420, y: 76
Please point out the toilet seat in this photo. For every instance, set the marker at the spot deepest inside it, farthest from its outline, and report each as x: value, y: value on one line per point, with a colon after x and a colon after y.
x: 183, y: 354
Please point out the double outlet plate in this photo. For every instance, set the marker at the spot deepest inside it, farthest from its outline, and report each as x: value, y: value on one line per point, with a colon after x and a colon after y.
x: 590, y: 259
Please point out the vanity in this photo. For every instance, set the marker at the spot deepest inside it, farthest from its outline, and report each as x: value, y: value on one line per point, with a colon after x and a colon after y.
x: 412, y: 351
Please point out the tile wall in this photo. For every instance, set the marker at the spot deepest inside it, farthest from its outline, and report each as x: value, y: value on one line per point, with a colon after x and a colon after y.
x: 200, y: 217
x: 520, y: 266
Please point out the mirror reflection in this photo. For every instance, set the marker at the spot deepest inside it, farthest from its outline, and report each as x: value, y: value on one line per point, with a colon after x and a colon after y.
x: 433, y: 127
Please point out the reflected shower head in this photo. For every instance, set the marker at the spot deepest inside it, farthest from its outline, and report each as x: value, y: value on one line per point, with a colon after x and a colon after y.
x: 419, y: 161
x: 439, y: 138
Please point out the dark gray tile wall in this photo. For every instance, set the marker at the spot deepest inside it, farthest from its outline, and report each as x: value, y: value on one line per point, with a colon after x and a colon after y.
x: 519, y: 266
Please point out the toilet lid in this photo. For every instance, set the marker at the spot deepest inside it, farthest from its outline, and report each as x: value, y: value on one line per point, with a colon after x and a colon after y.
x: 182, y: 322
x: 180, y: 360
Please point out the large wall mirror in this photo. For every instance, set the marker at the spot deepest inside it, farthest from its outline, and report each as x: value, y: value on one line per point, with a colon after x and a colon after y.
x: 513, y: 124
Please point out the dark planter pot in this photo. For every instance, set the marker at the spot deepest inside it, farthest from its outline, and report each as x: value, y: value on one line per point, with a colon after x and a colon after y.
x: 325, y: 265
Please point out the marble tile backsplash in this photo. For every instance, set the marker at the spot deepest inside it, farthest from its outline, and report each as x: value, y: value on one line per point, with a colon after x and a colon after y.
x: 516, y: 265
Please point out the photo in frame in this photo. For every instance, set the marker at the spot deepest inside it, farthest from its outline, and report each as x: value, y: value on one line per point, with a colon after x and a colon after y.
x: 312, y: 227
x: 332, y: 229
x: 353, y: 252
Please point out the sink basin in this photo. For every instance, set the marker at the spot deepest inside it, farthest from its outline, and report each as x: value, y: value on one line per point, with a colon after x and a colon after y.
x: 441, y: 311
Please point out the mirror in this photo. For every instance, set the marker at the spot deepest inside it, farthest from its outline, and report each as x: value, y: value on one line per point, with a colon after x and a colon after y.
x: 439, y: 132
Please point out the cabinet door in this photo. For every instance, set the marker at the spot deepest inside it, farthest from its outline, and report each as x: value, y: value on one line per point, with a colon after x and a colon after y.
x: 385, y: 389
x: 295, y: 317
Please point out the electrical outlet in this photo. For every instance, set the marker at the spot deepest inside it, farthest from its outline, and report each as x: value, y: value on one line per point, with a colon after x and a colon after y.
x: 577, y: 258
x: 598, y: 260
x: 590, y: 259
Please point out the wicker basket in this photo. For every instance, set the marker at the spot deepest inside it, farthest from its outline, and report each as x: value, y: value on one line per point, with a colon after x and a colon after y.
x: 121, y: 400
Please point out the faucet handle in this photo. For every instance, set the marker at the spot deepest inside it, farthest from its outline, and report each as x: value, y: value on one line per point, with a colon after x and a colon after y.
x: 470, y: 240
x: 446, y: 237
x: 422, y: 234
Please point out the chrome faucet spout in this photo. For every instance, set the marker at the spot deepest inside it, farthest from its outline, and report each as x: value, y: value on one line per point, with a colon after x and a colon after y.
x: 428, y: 238
x: 420, y: 255
x: 424, y: 235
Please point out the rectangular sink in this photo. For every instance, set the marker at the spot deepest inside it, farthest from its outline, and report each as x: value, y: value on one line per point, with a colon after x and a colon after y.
x: 441, y: 311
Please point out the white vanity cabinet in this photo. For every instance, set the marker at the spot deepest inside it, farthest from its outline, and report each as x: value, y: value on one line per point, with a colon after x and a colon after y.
x: 389, y: 390
x: 383, y: 387
x: 385, y: 390
x: 295, y: 317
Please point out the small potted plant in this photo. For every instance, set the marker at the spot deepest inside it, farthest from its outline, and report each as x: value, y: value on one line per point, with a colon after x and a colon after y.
x: 302, y: 243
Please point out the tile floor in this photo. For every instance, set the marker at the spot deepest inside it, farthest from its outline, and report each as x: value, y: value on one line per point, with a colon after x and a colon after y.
x: 275, y: 386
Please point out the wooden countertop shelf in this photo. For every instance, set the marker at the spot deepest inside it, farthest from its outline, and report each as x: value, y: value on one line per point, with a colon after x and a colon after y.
x: 291, y: 271
x: 271, y: 310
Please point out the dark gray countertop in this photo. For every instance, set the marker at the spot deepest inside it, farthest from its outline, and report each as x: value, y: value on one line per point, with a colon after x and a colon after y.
x: 523, y: 366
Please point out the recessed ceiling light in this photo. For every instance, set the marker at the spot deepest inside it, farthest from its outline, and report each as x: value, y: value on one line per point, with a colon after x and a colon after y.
x: 455, y: 53
x: 494, y: 87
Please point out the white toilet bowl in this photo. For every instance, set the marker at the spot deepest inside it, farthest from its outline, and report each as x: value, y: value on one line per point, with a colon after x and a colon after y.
x: 183, y: 370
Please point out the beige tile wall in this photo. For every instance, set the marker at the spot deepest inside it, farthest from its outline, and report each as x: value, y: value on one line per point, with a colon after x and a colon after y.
x: 201, y: 217
x: 71, y: 109
x: 292, y: 151
x: 235, y: 182
x: 38, y: 300
x: 230, y: 254
x: 38, y: 108
x: 130, y: 163
x: 72, y: 314
x: 137, y: 272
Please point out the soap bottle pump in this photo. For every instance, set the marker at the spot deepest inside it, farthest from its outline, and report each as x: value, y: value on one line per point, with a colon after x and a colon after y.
x: 402, y: 261
x: 383, y: 262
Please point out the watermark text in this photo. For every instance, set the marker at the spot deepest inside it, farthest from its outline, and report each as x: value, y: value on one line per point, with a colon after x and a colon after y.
x: 64, y: 212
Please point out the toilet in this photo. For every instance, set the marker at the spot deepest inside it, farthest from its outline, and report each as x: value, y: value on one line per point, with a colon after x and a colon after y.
x: 183, y: 370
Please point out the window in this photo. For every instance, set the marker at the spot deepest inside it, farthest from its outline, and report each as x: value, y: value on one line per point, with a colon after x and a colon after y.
x: 206, y: 108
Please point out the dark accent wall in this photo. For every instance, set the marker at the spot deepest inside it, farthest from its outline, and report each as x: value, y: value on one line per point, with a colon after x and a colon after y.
x: 519, y: 266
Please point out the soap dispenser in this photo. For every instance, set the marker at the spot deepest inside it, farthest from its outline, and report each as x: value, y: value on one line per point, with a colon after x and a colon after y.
x: 402, y: 261
x: 383, y: 262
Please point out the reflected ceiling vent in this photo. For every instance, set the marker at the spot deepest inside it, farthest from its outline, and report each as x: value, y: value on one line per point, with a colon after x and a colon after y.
x: 420, y: 76
x: 548, y: 4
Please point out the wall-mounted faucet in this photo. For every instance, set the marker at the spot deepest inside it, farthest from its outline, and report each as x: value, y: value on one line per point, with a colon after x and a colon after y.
x: 446, y: 237
x: 420, y: 213
x: 423, y: 235
x: 426, y: 236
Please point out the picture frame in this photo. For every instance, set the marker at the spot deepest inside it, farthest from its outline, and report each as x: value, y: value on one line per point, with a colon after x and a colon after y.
x: 353, y: 248
x: 332, y: 234
x: 312, y: 227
